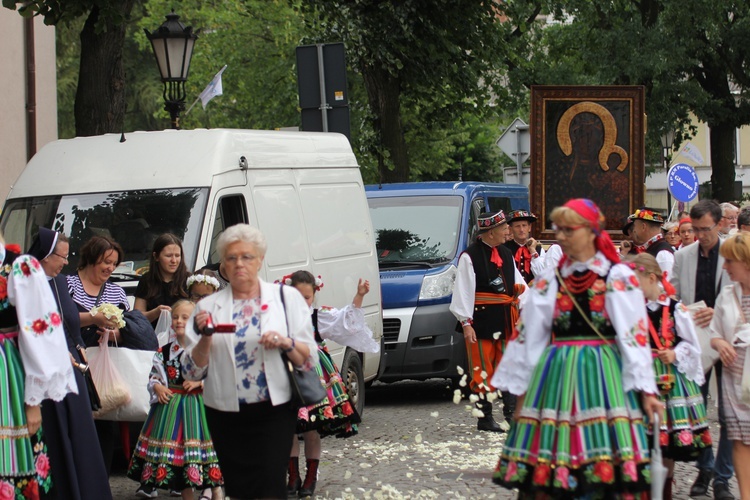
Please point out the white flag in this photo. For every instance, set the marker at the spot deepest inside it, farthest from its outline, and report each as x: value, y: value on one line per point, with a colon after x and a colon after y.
x: 212, y: 89
x: 689, y: 150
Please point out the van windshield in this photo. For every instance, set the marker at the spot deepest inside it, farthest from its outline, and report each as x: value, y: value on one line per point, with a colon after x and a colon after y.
x: 134, y: 219
x: 416, y: 230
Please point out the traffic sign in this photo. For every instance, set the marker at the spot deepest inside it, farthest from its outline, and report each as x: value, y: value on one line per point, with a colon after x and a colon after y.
x: 516, y: 141
x: 682, y: 182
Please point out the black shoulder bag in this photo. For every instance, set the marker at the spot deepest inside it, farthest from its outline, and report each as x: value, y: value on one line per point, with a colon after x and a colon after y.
x: 307, y: 388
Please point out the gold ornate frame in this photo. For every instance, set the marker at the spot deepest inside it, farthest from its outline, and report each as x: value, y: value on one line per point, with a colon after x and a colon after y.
x: 587, y: 142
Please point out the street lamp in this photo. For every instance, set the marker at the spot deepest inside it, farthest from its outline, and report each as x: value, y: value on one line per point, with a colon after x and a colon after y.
x: 173, y: 45
x: 667, y: 141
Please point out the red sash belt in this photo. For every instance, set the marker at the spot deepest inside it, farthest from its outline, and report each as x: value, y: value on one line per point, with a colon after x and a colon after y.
x: 503, y: 299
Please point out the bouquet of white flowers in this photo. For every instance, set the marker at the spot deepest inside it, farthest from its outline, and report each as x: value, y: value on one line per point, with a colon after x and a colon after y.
x: 111, y: 312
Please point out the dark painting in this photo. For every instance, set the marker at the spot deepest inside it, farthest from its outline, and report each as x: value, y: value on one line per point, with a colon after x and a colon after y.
x: 587, y: 142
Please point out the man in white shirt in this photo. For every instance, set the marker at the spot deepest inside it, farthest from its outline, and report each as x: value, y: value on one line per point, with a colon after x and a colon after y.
x: 647, y: 235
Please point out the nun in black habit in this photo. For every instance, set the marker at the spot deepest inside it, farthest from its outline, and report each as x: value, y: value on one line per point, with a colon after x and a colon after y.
x: 77, y: 466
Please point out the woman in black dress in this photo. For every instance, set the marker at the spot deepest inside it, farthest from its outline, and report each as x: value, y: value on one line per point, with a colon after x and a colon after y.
x: 77, y: 465
x: 164, y: 283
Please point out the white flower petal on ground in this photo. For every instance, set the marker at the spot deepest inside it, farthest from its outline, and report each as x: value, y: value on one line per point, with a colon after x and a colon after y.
x: 459, y: 370
x: 434, y: 414
x: 476, y: 412
x: 491, y: 396
x: 483, y: 375
x: 418, y: 438
x: 505, y: 425
x: 347, y: 475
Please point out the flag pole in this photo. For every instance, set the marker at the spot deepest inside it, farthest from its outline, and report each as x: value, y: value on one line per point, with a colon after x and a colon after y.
x: 191, y: 106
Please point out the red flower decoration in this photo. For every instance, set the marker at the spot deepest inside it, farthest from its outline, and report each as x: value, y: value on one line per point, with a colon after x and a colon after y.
x: 328, y: 412
x: 25, y: 269
x: 31, y: 490
x: 55, y: 319
x: 596, y: 304
x: 3, y: 288
x: 39, y: 326
x: 541, y: 474
x: 147, y: 473
x: 171, y: 372
x: 42, y: 465
x: 663, y: 439
x: 706, y: 437
x: 194, y: 475
x: 618, y: 285
x: 13, y: 247
x: 347, y: 409
x: 214, y: 474
x: 264, y: 308
x: 161, y: 473
x: 599, y: 285
x: 634, y: 280
x: 686, y: 437
x: 564, y: 303
x: 541, y: 284
x: 641, y: 339
x: 604, y: 471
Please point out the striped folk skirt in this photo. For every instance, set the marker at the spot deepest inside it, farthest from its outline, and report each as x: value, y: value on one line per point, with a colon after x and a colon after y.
x: 24, y: 463
x: 684, y: 424
x: 579, y: 433
x: 335, y: 415
x: 174, y: 450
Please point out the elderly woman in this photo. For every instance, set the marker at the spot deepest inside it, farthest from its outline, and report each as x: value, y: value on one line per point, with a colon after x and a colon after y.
x: 671, y: 234
x: 579, y: 366
x: 246, y: 387
x: 730, y: 336
x: 74, y: 453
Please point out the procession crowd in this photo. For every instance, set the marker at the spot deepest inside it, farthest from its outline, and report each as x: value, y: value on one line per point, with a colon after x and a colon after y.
x: 600, y: 355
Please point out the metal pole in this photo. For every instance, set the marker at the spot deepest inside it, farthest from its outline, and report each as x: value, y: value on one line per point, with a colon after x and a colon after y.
x: 519, y: 164
x: 324, y: 107
x: 669, y: 194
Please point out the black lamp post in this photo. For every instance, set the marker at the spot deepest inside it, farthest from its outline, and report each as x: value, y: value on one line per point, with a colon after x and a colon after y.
x: 667, y: 141
x: 173, y: 45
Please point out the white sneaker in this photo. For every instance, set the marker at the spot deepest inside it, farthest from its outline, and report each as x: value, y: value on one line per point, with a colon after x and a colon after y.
x: 146, y: 492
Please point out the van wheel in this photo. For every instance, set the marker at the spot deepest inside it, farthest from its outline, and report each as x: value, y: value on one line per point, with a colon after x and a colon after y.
x: 354, y: 380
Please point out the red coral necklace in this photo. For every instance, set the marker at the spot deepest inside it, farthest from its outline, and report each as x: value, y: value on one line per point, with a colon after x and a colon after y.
x: 579, y: 284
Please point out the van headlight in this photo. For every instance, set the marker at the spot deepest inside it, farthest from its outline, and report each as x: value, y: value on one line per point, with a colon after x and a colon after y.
x: 437, y: 286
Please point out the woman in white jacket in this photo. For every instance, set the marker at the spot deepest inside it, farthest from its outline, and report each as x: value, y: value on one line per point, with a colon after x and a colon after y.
x: 246, y: 388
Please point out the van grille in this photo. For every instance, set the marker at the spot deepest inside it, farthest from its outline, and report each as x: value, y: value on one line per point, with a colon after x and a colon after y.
x: 391, y: 327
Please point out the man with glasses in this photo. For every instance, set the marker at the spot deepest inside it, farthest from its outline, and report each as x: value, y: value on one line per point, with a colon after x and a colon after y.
x: 728, y: 223
x: 698, y: 274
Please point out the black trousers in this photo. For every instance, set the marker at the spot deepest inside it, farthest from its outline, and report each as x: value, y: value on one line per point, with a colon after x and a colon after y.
x: 253, y: 447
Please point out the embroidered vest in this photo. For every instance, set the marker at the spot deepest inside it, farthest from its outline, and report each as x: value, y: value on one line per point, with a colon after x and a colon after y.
x: 521, y: 264
x: 658, y: 246
x: 491, y: 318
x: 568, y: 324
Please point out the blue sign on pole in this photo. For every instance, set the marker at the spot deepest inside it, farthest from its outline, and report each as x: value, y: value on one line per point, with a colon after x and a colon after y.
x: 682, y: 182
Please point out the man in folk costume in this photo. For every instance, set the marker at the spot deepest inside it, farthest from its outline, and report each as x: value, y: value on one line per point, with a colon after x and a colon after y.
x: 527, y: 252
x: 647, y: 234
x: 486, y: 302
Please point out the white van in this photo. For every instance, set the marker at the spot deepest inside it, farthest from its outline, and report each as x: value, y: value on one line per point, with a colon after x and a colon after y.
x: 304, y: 191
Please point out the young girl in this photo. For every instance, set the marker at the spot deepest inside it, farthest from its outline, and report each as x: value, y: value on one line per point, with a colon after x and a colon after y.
x: 174, y: 451
x: 335, y: 415
x: 678, y: 369
x: 202, y: 284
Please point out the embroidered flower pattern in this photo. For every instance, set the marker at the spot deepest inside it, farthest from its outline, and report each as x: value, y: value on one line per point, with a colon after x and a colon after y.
x: 596, y: 300
x: 44, y: 325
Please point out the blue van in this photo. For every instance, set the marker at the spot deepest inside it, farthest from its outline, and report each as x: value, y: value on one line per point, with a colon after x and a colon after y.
x: 420, y: 230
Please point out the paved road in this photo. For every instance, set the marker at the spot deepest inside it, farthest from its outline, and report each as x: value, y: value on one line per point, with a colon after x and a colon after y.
x: 415, y: 443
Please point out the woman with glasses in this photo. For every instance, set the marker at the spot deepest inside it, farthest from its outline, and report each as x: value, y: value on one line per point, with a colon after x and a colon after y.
x: 246, y: 387
x: 74, y: 453
x: 581, y: 368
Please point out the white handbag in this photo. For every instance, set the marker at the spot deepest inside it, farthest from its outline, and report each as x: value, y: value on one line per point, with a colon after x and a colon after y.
x: 135, y: 368
x: 709, y: 356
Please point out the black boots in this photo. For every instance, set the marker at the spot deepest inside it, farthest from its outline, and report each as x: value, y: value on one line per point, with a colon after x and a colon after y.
x: 311, y: 479
x: 487, y: 422
x: 292, y: 487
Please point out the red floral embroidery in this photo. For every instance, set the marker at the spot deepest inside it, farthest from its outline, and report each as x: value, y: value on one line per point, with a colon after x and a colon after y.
x: 54, y: 318
x: 541, y: 474
x: 39, y: 326
x: 7, y: 491
x: 596, y: 304
x: 347, y: 409
x: 634, y: 280
x: 604, y: 471
x: 193, y: 475
x: 35, y: 264
x: 161, y: 473
x: 171, y: 372
x: 641, y: 339
x: 328, y: 412
x: 564, y: 303
x: 541, y: 284
x: 42, y: 465
x: 599, y: 286
x: 31, y: 490
x: 214, y: 474
x: 686, y: 437
x: 618, y: 285
x: 706, y: 437
x: 3, y: 288
x: 663, y: 439
x: 147, y: 472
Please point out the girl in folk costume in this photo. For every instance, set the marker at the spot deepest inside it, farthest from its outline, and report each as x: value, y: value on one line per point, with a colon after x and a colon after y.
x: 174, y: 451
x: 336, y: 414
x: 677, y: 365
x: 582, y: 370
x: 34, y: 366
